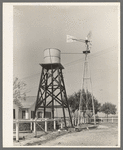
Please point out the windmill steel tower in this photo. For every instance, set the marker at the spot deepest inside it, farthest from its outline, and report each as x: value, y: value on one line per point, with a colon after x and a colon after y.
x: 51, y: 92
x: 86, y: 82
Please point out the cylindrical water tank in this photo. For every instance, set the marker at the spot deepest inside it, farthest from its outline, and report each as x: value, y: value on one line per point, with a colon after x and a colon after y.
x: 52, y: 55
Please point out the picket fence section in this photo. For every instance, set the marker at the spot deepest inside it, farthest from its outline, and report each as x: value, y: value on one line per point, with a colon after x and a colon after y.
x: 34, y: 122
x: 75, y: 122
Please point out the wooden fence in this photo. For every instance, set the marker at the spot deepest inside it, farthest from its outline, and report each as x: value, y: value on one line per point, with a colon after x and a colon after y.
x: 83, y: 120
x: 112, y: 120
x: 33, y: 124
x: 75, y: 122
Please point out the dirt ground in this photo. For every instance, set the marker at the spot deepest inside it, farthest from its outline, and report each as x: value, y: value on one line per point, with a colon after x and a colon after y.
x: 101, y: 136
x: 105, y: 134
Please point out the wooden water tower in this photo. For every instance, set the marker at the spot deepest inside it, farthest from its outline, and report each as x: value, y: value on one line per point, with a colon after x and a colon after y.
x: 51, y: 91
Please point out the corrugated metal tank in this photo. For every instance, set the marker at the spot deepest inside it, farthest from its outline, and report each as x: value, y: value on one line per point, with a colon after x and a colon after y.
x: 52, y: 55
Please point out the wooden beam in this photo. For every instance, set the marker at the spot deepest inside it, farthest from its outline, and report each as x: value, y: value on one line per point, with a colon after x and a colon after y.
x: 55, y: 106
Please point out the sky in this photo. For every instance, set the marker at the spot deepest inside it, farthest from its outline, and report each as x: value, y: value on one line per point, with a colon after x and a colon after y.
x: 37, y: 27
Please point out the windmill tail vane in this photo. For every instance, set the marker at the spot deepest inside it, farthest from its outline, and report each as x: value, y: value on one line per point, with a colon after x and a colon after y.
x: 70, y: 39
x: 89, y: 36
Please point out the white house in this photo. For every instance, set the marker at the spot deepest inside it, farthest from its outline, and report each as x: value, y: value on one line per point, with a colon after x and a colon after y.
x: 27, y: 109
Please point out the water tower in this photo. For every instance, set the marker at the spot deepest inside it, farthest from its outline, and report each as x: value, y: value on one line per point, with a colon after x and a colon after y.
x: 51, y: 91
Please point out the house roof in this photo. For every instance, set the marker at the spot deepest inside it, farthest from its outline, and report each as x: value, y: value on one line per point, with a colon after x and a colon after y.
x: 30, y: 100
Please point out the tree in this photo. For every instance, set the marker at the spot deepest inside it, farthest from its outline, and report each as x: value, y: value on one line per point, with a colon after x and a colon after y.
x: 108, y: 108
x: 19, y: 93
x: 74, y: 101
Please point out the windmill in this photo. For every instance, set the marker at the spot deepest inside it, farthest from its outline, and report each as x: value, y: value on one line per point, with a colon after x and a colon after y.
x: 87, y: 40
x: 86, y: 74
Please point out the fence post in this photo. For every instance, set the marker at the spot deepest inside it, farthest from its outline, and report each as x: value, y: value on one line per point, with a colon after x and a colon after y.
x: 45, y: 125
x: 35, y: 132
x: 61, y: 124
x: 112, y: 119
x: 54, y: 124
x: 31, y: 125
x: 17, y: 130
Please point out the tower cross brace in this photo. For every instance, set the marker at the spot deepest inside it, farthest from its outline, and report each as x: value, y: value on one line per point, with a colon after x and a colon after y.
x: 51, y: 91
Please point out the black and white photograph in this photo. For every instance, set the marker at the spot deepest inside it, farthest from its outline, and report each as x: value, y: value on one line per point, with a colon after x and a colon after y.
x: 61, y: 75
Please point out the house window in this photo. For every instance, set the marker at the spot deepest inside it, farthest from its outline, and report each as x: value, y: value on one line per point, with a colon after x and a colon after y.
x: 32, y: 114
x: 13, y: 113
x: 23, y: 114
x: 40, y: 114
x: 48, y: 115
